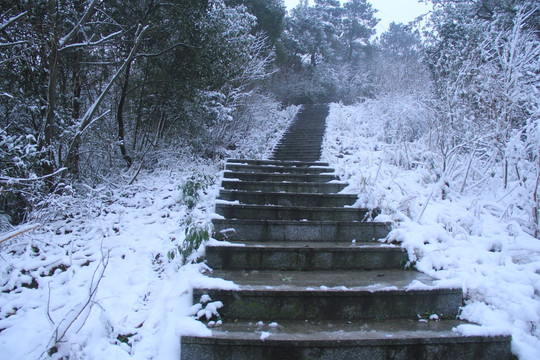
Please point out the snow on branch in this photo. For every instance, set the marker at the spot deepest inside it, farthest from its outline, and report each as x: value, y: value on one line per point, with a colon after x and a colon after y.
x: 19, y: 231
x: 10, y: 180
x: 89, y: 115
x: 90, y: 42
x: 14, y: 43
x: 12, y: 20
x: 89, y: 12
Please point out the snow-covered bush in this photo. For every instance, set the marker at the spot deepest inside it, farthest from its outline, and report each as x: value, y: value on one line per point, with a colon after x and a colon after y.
x: 452, y: 214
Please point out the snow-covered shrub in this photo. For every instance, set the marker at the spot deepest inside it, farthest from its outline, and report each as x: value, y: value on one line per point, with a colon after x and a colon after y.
x: 457, y: 223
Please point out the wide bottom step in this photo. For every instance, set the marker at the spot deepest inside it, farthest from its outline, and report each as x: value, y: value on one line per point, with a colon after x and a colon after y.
x: 374, y: 340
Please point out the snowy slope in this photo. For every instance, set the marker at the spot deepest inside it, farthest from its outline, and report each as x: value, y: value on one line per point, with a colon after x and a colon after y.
x: 96, y: 279
x: 475, y: 238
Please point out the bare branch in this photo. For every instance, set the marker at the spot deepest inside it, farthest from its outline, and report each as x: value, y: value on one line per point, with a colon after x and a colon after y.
x: 91, y: 43
x: 81, y: 311
x: 89, y: 12
x: 12, y: 20
x: 14, y: 43
x: 16, y: 180
x: 87, y: 118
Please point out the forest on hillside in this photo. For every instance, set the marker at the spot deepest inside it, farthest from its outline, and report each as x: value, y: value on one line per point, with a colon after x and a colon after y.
x: 91, y: 90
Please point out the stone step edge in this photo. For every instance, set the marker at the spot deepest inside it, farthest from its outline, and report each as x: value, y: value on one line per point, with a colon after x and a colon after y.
x: 302, y: 222
x: 328, y: 292
x: 292, y: 247
x: 421, y: 339
x: 275, y: 193
x: 329, y: 184
x: 364, y: 335
x: 340, y: 343
x: 271, y: 197
x: 226, y: 204
x: 237, y: 167
x: 270, y: 162
x: 232, y: 175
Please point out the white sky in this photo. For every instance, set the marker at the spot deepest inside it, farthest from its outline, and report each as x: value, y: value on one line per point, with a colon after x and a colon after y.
x: 400, y: 11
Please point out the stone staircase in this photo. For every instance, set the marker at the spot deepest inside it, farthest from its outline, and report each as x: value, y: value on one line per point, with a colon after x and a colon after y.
x: 313, y: 282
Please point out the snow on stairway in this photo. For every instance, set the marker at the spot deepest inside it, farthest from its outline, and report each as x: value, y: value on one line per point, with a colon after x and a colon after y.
x: 312, y: 280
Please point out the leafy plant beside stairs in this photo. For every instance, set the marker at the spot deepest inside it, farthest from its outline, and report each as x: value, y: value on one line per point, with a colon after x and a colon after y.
x: 195, y: 232
x: 192, y: 187
x: 195, y: 235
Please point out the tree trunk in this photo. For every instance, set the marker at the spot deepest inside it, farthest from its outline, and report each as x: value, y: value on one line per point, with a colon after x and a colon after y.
x: 120, y: 116
x: 73, y: 162
x: 48, y: 131
x: 140, y: 107
x: 536, y: 198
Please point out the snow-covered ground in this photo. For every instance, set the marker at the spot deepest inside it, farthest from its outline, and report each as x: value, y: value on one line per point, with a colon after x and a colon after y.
x: 475, y: 238
x: 96, y: 279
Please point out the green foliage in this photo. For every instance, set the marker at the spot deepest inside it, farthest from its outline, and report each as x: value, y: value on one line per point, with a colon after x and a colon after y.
x: 193, y: 185
x: 196, y: 64
x: 324, y: 52
x: 195, y: 235
x: 270, y: 16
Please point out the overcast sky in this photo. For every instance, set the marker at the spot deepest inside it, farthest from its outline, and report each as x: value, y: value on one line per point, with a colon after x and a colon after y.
x: 400, y: 11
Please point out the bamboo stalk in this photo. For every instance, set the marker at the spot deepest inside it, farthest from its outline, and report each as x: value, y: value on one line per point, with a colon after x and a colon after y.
x: 15, y: 233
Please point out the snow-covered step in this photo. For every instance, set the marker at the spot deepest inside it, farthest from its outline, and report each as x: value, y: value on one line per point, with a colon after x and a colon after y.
x: 294, y: 157
x: 373, y: 340
x: 294, y: 151
x: 280, y: 177
x: 302, y: 139
x: 294, y: 187
x: 278, y: 212
x: 309, y: 129
x: 299, y: 143
x: 297, y: 150
x: 277, y: 169
x: 331, y: 295
x: 287, y: 230
x: 288, y: 199
x: 305, y: 256
x: 278, y: 162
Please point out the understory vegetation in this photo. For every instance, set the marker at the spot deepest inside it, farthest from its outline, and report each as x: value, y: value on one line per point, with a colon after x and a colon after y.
x: 115, y: 120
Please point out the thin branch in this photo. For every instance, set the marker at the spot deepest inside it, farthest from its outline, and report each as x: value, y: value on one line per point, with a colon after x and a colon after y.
x: 87, y: 118
x: 14, y: 43
x: 16, y: 180
x: 49, y: 304
x: 75, y: 313
x: 89, y: 12
x: 12, y: 20
x: 91, y: 43
x: 424, y: 207
x: 136, y: 173
x: 93, y: 121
